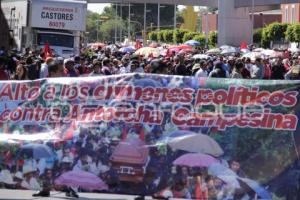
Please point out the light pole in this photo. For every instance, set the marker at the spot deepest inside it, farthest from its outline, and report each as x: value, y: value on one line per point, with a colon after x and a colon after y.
x: 252, y: 21
x: 121, y: 13
x: 129, y: 10
x: 175, y: 6
x: 158, y: 16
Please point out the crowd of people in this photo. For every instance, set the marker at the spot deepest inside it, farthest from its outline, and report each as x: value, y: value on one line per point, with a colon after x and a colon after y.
x: 105, y: 61
x: 92, y: 152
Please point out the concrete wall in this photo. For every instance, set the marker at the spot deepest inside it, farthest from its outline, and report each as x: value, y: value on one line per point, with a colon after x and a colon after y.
x: 5, y: 39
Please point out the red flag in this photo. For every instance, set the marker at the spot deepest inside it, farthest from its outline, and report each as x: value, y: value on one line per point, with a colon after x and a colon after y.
x: 70, y: 132
x: 142, y: 134
x: 244, y: 45
x: 138, y: 45
x: 47, y: 51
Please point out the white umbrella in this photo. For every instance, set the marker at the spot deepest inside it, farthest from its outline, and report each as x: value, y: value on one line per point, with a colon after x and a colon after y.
x: 196, y: 143
x: 230, y: 50
x: 201, y: 56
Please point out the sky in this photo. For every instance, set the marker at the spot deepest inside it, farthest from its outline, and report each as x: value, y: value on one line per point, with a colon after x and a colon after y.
x: 98, y: 7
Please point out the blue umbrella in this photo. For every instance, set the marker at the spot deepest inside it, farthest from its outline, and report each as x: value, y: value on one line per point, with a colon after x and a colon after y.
x: 35, y: 151
x: 224, y: 173
x: 259, y: 190
x: 192, y: 43
x: 127, y: 49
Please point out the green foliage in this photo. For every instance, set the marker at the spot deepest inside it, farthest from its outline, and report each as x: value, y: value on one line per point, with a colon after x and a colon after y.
x: 293, y: 33
x: 213, y: 39
x: 274, y: 32
x: 189, y: 35
x: 257, y: 35
x: 168, y: 36
x: 178, y: 35
x: 200, y: 38
x: 160, y: 35
x: 152, y: 36
x: 108, y: 28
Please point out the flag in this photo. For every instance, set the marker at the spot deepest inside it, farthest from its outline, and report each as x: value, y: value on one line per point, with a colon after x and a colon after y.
x: 47, y: 51
x: 138, y: 45
x: 243, y: 45
x: 70, y: 132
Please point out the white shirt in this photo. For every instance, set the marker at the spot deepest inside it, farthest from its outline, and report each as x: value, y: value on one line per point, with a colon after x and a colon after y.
x: 32, y: 185
x: 44, y: 71
x: 201, y: 73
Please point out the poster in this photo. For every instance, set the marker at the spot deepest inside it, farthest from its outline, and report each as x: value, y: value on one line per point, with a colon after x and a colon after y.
x: 165, y: 136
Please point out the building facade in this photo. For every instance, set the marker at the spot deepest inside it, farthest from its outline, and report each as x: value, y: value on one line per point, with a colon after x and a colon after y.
x: 210, y: 21
x: 290, y: 13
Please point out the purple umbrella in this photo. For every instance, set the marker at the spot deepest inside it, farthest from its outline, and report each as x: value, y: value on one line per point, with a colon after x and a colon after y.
x: 81, y: 179
x: 195, y: 160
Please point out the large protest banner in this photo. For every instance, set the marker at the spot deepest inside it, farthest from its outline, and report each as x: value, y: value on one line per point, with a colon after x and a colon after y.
x: 158, y: 135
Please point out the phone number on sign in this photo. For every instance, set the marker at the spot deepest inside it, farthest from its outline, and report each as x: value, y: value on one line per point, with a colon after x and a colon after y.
x: 57, y: 24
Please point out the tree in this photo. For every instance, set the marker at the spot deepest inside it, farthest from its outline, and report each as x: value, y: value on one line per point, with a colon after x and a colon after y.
x: 189, y: 35
x: 178, y: 35
x: 200, y: 38
x: 273, y: 32
x: 257, y: 35
x: 213, y: 39
x: 108, y: 28
x: 293, y: 33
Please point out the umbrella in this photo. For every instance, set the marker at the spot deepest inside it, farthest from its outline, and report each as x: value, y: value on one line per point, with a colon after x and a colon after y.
x: 223, y: 47
x: 195, y: 160
x: 154, y: 45
x: 259, y: 190
x: 230, y: 50
x: 97, y: 45
x: 197, y: 143
x: 174, y: 134
x: 201, y: 56
x: 183, y: 47
x: 36, y: 151
x: 192, y: 43
x: 224, y: 173
x: 253, y: 55
x: 81, y: 179
x: 128, y: 49
x: 214, y: 51
x: 258, y: 50
x: 271, y: 53
x: 147, y: 82
x: 147, y: 51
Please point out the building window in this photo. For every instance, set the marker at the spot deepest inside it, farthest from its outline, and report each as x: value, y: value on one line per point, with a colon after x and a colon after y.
x: 286, y: 14
x: 293, y: 14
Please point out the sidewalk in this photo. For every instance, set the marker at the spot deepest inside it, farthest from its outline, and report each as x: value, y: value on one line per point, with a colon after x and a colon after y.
x: 27, y: 194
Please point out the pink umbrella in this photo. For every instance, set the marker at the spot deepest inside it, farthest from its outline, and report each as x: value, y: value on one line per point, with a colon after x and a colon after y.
x: 195, y: 160
x: 81, y: 179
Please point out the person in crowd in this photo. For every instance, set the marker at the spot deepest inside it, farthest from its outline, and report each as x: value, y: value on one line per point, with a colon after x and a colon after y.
x: 44, y: 67
x: 3, y: 73
x: 70, y: 68
x: 257, y: 70
x: 278, y: 70
x: 96, y: 68
x: 236, y: 167
x: 106, y: 65
x: 218, y: 71
x: 32, y: 68
x: 237, y: 71
x: 21, y: 72
x: 202, y: 71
